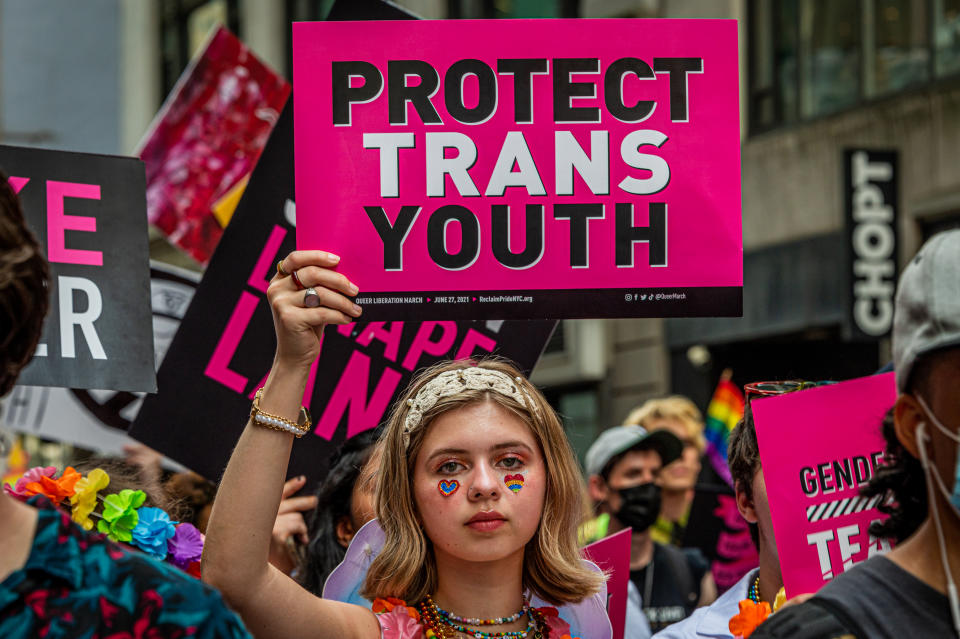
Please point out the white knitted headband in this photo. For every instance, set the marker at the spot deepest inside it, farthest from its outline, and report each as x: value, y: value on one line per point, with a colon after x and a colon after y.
x: 449, y: 383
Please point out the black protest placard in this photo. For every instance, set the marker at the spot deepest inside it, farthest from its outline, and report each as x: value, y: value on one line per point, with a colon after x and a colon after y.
x: 89, y: 214
x: 368, y: 10
x: 224, y: 347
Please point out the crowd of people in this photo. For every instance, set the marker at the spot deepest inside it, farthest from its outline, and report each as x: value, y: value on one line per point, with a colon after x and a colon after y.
x: 464, y: 514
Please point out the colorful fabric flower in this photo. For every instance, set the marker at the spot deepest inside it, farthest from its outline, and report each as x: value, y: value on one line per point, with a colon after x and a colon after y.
x: 399, y: 624
x: 32, y: 475
x: 186, y: 546
x: 392, y: 603
x: 386, y: 605
x: 751, y: 615
x: 153, y: 531
x: 558, y: 627
x: 120, y: 514
x: 56, y: 490
x: 194, y: 570
x: 84, y: 500
x: 780, y: 599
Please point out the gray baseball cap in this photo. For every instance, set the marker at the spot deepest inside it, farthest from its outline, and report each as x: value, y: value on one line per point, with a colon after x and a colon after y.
x: 926, y: 316
x: 620, y: 439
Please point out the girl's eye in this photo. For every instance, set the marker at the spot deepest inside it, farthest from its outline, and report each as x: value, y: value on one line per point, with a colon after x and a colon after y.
x: 449, y: 467
x: 511, y: 462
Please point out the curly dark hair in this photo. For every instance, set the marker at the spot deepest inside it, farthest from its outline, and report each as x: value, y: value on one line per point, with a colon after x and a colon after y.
x: 743, y: 457
x: 901, y: 478
x: 24, y: 284
x: 334, y: 496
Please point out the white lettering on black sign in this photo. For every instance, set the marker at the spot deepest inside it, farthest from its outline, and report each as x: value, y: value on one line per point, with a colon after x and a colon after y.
x: 874, y: 245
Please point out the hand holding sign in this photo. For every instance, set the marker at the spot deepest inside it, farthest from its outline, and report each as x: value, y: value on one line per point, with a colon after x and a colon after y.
x: 300, y: 329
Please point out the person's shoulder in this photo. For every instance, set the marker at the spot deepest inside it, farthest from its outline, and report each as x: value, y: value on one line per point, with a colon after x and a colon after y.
x: 809, y: 620
x: 182, y: 597
x: 692, y: 558
x: 145, y: 581
x: 133, y: 584
x: 683, y: 629
x: 697, y: 560
x: 876, y: 569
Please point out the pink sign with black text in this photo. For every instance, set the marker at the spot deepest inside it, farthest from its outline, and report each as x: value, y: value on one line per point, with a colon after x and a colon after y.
x: 818, y: 448
x: 612, y: 554
x: 523, y: 168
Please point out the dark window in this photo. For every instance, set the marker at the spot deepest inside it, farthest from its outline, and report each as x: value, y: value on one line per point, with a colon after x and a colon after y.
x: 557, y: 343
x: 579, y: 409
x: 184, y: 26
x: 811, y: 58
x: 302, y: 11
x: 901, y: 45
x: 939, y: 224
x: 946, y: 36
x: 773, y: 63
x: 830, y: 55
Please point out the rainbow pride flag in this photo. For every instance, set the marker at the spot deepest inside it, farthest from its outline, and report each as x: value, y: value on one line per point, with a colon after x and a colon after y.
x: 723, y: 413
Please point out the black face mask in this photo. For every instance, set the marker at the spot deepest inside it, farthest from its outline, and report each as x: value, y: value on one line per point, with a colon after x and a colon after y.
x: 640, y: 507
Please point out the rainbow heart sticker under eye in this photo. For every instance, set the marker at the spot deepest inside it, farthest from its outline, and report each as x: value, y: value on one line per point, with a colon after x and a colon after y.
x: 514, y: 482
x: 447, y: 488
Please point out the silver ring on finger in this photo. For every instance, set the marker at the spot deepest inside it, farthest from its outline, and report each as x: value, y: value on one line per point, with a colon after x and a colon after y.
x: 310, y: 298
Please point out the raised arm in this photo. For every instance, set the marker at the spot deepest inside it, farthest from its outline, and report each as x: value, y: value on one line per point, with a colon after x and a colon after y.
x: 235, y: 556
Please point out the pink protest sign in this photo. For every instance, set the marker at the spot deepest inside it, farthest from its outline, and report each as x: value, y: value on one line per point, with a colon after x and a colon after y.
x: 818, y: 447
x: 523, y: 168
x: 612, y: 554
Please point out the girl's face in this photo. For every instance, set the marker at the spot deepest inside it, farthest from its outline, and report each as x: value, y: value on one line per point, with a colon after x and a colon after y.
x: 479, y: 483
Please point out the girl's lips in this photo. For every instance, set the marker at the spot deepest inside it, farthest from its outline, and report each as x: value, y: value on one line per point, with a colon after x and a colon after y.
x: 486, y: 525
x: 486, y: 521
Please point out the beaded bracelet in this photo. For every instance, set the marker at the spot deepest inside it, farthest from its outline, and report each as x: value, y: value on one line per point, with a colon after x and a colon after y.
x: 298, y: 429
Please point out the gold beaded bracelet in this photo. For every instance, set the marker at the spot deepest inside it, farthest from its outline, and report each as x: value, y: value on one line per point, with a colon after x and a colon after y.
x: 299, y: 428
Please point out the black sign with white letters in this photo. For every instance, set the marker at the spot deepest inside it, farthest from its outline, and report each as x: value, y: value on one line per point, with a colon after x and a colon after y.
x: 89, y: 213
x: 871, y: 208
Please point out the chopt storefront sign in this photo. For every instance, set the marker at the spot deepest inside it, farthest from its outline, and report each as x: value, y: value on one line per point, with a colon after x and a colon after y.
x: 89, y: 214
x: 506, y: 183
x: 871, y: 212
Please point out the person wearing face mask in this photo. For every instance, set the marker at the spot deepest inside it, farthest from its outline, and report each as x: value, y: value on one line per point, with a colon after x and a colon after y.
x: 680, y: 416
x: 910, y: 591
x: 623, y: 466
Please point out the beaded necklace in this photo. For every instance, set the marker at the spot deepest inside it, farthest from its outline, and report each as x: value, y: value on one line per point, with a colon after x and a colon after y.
x: 753, y: 594
x: 440, y: 626
x: 476, y: 621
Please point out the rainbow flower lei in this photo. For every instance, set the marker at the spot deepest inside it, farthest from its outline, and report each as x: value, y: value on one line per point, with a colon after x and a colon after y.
x: 752, y: 614
x: 123, y: 517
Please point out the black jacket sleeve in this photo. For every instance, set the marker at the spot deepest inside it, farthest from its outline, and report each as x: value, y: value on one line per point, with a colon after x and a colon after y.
x: 814, y: 619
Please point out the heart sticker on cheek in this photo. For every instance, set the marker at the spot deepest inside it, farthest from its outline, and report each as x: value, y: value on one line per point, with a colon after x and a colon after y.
x: 514, y: 482
x: 448, y: 487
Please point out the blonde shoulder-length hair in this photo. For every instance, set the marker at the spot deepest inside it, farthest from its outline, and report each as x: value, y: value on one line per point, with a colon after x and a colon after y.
x: 406, y: 567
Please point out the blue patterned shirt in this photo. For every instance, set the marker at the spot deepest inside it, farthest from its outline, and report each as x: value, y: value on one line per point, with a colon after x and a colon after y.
x: 79, y: 585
